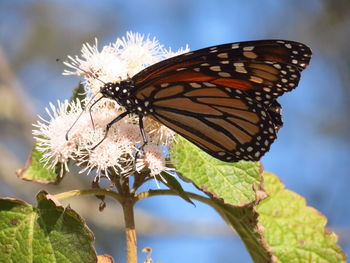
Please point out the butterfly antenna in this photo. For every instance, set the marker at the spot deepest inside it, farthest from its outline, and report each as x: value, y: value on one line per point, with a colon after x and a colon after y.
x: 81, y: 113
x: 85, y: 71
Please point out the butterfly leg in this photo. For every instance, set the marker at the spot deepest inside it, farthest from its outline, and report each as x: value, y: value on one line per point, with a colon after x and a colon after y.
x: 144, y: 137
x: 90, y: 114
x: 108, y: 126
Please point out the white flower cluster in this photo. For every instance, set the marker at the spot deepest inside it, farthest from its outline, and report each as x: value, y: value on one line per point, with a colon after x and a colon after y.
x: 115, y: 62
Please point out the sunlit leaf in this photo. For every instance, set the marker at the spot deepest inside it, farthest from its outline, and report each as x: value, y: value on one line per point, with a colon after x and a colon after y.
x: 295, y: 232
x: 232, y: 182
x: 47, y: 233
x: 36, y: 171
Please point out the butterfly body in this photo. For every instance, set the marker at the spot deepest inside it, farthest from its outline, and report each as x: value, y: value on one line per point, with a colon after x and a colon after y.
x: 122, y: 93
x: 221, y: 98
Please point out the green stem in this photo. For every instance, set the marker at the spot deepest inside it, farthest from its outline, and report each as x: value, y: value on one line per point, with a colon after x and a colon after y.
x: 73, y: 193
x: 200, y: 198
x: 130, y: 232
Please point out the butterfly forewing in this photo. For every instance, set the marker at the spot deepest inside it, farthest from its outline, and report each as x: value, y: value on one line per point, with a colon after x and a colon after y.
x: 276, y: 51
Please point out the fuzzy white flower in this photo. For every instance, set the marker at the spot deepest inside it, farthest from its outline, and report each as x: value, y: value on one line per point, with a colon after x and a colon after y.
x: 50, y: 134
x: 118, y: 61
x: 138, y: 51
x: 51, y: 137
x: 169, y: 53
x: 116, y: 150
x: 154, y: 159
x: 97, y: 66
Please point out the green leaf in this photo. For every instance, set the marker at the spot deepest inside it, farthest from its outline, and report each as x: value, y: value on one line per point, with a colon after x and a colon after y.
x: 35, y: 170
x: 294, y: 231
x: 78, y: 93
x: 234, y: 189
x: 232, y: 182
x: 277, y: 228
x: 170, y: 181
x: 48, y: 233
x: 244, y: 220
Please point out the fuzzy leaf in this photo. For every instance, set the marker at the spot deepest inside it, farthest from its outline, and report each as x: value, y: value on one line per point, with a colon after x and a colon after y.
x: 234, y: 188
x: 48, y: 233
x: 35, y: 170
x: 294, y: 231
x: 78, y: 93
x: 232, y: 182
x: 277, y: 228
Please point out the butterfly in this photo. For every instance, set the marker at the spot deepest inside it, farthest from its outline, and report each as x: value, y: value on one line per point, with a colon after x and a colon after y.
x: 221, y: 98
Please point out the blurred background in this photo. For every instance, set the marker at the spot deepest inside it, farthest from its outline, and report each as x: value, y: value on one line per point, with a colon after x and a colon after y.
x: 311, y: 155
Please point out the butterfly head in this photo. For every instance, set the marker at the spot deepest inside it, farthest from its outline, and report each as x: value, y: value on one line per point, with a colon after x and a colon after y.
x: 118, y: 91
x: 122, y: 93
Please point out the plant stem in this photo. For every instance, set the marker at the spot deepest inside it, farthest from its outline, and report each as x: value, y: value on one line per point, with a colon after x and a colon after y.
x: 130, y: 233
x: 73, y: 193
x: 197, y: 197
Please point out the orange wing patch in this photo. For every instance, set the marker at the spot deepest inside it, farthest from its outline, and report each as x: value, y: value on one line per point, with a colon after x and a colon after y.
x: 145, y: 93
x: 191, y: 136
x: 187, y: 76
x: 170, y: 91
x: 226, y: 102
x: 249, y: 116
x: 233, y: 83
x: 247, y: 126
x: 240, y: 135
x: 206, y: 92
x: 186, y: 104
x: 202, y: 128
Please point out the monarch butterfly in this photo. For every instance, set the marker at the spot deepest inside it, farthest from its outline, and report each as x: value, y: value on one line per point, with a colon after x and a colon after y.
x: 221, y: 98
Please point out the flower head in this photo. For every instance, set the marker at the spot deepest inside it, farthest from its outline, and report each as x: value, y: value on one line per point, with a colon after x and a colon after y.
x: 117, y: 61
x: 97, y: 67
x: 88, y: 143
x: 138, y: 51
x: 50, y: 134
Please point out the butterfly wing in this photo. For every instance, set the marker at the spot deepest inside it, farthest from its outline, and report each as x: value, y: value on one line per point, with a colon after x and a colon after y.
x: 223, y: 98
x: 271, y: 57
x: 223, y: 122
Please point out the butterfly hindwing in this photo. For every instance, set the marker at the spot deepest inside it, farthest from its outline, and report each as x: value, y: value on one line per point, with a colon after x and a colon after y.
x: 223, y: 122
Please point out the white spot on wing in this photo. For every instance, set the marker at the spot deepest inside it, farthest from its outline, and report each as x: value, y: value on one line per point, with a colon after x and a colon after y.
x: 250, y: 48
x: 215, y: 68
x: 208, y: 84
x: 195, y: 85
x: 224, y: 74
x: 222, y: 55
